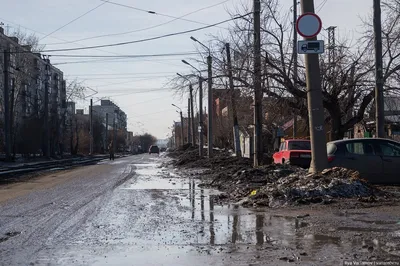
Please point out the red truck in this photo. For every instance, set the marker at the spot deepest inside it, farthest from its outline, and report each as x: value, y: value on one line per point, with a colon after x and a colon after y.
x: 294, y: 152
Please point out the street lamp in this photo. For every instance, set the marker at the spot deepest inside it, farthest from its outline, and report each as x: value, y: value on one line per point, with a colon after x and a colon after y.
x: 210, y: 98
x: 191, y: 109
x: 199, y: 42
x: 200, y: 108
x: 182, y: 134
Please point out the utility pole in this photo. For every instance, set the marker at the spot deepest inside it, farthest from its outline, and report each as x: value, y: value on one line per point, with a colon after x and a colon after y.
x: 233, y: 102
x: 182, y: 134
x: 188, y: 126
x: 114, y: 132
x: 91, y: 127
x: 192, y: 114
x: 258, y: 94
x: 46, y: 111
x: 379, y: 100
x: 201, y: 141
x: 6, y: 104
x: 106, y: 135
x: 331, y: 45
x: 210, y: 108
x: 295, y: 63
x: 319, y: 159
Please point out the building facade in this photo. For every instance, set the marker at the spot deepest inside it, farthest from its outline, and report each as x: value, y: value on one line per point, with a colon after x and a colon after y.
x: 28, y: 73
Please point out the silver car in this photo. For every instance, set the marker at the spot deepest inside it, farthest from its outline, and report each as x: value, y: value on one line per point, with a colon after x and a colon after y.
x: 377, y: 160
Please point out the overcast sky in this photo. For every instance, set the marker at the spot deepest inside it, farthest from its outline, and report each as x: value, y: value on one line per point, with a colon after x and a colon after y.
x: 136, y: 85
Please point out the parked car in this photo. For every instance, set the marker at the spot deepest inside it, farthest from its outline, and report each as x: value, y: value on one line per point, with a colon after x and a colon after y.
x: 294, y: 152
x: 154, y: 149
x: 377, y: 160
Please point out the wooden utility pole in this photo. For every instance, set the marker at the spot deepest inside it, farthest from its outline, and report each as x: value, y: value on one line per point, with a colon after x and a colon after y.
x: 192, y: 115
x: 182, y: 134
x: 210, y: 108
x: 319, y: 159
x: 379, y: 100
x: 201, y: 140
x: 46, y: 151
x: 7, y: 134
x: 258, y: 94
x: 188, y: 125
x: 91, y: 126
x: 233, y: 102
x: 295, y: 63
x: 106, y: 135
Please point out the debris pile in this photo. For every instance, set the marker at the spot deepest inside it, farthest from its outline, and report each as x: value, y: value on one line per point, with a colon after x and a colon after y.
x: 275, y: 185
x: 313, y: 188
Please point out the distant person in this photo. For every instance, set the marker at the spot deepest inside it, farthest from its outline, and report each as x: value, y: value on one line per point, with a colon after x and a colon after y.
x: 111, y: 150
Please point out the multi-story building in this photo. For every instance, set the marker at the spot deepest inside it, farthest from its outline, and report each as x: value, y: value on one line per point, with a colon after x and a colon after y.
x: 114, y: 113
x: 28, y: 74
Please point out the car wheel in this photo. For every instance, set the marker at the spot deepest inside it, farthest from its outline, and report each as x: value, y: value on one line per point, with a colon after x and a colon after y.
x: 283, y: 161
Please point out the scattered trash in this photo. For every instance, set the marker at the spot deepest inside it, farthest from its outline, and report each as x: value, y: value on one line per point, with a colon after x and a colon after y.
x: 276, y: 185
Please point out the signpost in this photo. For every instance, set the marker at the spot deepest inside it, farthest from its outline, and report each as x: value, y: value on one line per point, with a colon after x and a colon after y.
x: 309, y: 25
x: 310, y: 47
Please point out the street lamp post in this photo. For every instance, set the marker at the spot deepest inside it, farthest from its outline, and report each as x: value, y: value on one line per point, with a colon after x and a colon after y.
x: 182, y: 134
x: 201, y: 141
x: 210, y: 99
x: 191, y: 107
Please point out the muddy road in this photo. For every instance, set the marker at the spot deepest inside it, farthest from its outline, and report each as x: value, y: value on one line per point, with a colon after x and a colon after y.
x: 133, y: 212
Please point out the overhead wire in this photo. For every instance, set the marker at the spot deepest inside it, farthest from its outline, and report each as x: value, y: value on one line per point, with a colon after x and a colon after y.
x: 146, y: 39
x: 153, y: 12
x: 118, y: 74
x: 75, y: 19
x: 126, y: 56
x: 143, y: 29
x: 320, y: 6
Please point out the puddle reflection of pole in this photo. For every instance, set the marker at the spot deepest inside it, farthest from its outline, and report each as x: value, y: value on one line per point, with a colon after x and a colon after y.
x: 202, y: 204
x: 260, y: 229
x: 235, y: 224
x: 193, y: 197
x: 212, y: 232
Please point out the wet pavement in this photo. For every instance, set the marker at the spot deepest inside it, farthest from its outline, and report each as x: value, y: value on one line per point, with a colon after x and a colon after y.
x: 133, y: 212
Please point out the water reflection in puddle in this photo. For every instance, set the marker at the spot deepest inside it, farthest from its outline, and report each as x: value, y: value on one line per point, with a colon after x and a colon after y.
x: 230, y: 225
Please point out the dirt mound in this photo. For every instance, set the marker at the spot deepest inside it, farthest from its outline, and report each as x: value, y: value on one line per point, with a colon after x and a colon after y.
x: 297, y: 188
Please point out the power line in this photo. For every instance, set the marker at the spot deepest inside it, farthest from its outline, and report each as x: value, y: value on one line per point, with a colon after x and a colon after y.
x: 19, y: 25
x: 147, y: 39
x: 132, y: 77
x: 163, y: 111
x: 125, y: 56
x: 134, y: 104
x: 111, y: 60
x: 143, y: 29
x: 155, y: 13
x: 138, y: 92
x: 118, y: 74
x: 75, y: 19
x: 321, y: 5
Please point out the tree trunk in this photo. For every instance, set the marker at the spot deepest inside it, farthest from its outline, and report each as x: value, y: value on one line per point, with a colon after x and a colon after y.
x: 337, y: 131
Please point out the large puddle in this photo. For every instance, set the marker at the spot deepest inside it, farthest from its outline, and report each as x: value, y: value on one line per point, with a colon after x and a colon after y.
x: 195, y: 226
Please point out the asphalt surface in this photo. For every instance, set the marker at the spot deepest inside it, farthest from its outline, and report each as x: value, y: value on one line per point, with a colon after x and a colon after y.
x: 133, y: 212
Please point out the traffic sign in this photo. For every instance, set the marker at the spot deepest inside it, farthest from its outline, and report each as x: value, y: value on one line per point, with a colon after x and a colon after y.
x: 309, y: 25
x: 310, y: 47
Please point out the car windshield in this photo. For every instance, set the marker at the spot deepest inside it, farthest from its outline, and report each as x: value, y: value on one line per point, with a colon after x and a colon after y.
x: 299, y: 145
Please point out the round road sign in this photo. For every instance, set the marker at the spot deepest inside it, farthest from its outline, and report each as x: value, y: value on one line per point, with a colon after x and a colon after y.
x: 309, y: 25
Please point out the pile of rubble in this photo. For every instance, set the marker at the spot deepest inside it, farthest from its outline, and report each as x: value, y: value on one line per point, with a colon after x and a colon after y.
x: 274, y: 185
x: 301, y: 188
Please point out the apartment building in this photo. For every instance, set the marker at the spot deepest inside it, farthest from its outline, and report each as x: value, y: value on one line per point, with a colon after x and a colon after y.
x: 28, y: 73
